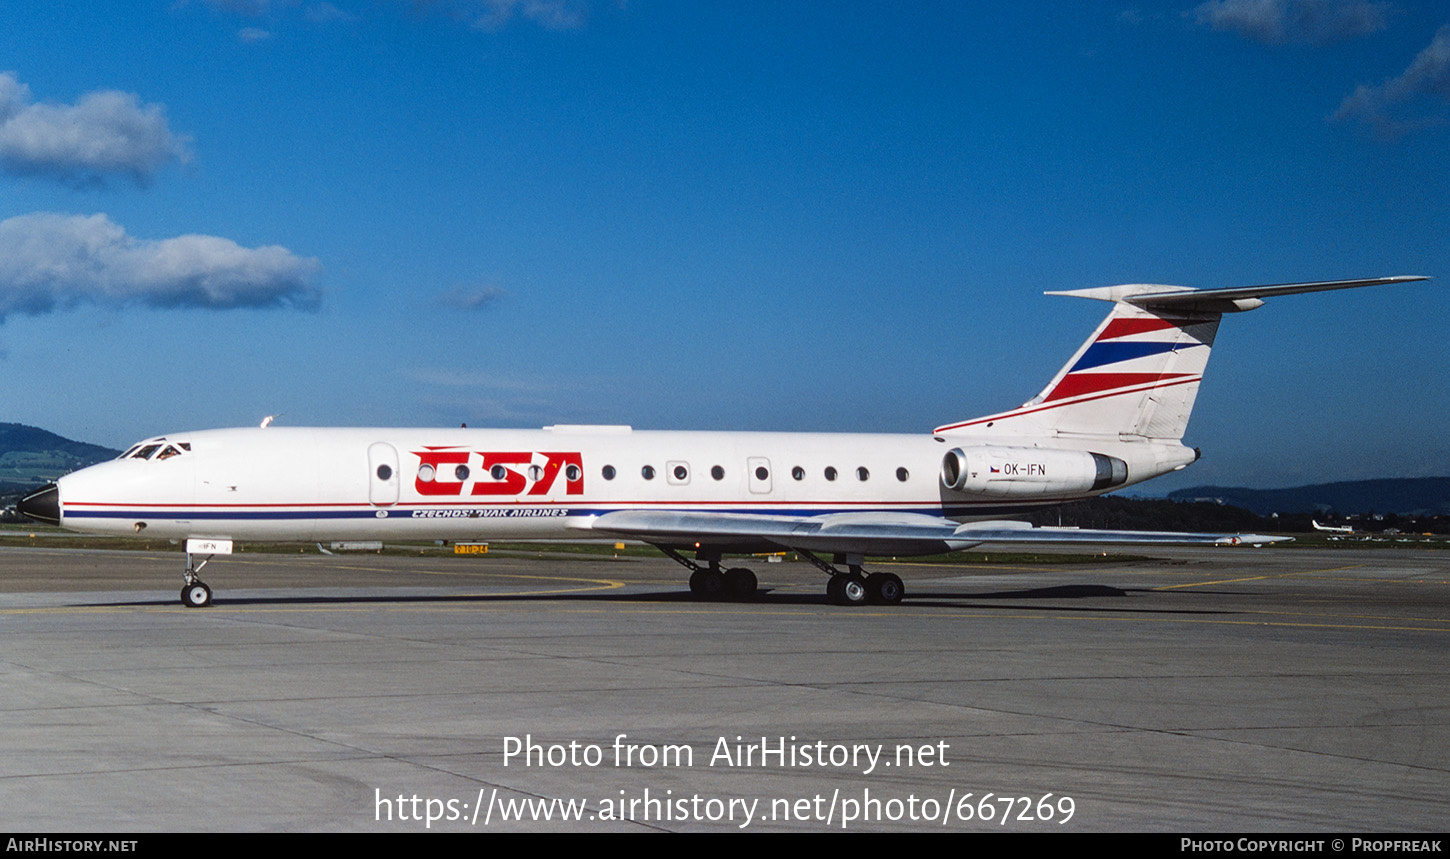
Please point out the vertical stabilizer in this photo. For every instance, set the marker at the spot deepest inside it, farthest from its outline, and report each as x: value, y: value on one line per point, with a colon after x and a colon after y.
x: 1137, y: 376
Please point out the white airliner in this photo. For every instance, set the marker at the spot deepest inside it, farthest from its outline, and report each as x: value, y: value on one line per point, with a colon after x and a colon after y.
x: 1113, y: 416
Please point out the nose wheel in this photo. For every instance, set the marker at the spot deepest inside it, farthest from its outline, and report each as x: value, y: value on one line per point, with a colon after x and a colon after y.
x: 196, y: 595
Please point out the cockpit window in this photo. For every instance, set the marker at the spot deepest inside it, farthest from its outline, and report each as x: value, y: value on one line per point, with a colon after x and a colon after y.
x: 149, y: 450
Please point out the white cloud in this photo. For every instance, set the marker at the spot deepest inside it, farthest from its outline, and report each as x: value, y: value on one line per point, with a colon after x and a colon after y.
x: 105, y: 132
x: 326, y: 13
x: 496, y: 14
x: 239, y: 7
x: 489, y: 15
x: 1277, y: 22
x: 50, y: 261
x: 1427, y: 80
x: 472, y: 297
x: 251, y: 35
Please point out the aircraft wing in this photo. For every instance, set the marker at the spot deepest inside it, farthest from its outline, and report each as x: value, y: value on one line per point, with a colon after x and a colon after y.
x: 868, y: 533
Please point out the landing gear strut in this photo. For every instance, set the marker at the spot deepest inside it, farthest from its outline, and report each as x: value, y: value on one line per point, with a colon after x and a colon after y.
x: 855, y: 586
x: 195, y: 593
x: 710, y: 583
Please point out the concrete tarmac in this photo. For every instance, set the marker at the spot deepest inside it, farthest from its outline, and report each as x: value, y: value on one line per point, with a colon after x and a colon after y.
x: 1215, y: 690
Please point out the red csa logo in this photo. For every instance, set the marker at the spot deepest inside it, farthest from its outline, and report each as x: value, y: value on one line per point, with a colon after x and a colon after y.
x: 447, y: 470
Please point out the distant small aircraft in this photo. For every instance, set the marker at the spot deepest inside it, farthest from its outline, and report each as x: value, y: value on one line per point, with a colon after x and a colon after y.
x: 1336, y: 529
x: 1113, y: 416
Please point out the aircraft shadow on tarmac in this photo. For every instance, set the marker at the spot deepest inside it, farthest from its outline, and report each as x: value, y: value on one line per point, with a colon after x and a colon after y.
x: 995, y: 600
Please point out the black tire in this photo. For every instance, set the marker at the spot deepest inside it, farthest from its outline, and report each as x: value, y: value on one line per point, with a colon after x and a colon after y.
x: 196, y: 595
x: 847, y: 590
x: 740, y: 583
x: 885, y: 588
x: 707, y: 584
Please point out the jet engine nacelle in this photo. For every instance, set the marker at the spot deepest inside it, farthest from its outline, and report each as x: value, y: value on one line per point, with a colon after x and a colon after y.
x: 1018, y: 472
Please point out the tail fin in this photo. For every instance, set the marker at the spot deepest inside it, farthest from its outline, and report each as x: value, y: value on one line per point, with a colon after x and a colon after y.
x: 1137, y: 376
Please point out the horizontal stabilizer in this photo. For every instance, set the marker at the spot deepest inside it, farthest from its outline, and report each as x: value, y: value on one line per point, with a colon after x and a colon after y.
x: 1183, y: 299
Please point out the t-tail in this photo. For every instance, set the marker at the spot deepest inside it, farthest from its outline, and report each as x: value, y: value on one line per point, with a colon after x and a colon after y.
x: 1137, y: 376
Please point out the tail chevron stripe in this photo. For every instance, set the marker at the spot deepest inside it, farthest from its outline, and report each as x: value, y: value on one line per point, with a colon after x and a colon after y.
x: 1078, y: 384
x: 1101, y: 354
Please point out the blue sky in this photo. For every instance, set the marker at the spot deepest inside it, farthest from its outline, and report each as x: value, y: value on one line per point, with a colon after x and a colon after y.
x: 744, y: 215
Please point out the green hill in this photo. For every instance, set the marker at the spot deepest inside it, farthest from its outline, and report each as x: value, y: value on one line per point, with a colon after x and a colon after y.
x: 1413, y: 495
x: 30, y: 456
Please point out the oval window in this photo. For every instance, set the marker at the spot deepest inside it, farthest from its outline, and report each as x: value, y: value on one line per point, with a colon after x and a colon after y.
x: 762, y: 473
x: 571, y: 473
x: 498, y: 472
x: 681, y: 472
x: 608, y: 472
x: 385, y: 472
x: 862, y: 474
x: 461, y: 472
x: 648, y: 472
x: 425, y: 473
x: 798, y: 473
x: 830, y: 473
x: 535, y: 473
x: 902, y: 474
x: 717, y: 472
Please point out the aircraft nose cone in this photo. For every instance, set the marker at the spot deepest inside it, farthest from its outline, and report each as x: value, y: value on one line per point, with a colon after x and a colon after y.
x: 42, y: 505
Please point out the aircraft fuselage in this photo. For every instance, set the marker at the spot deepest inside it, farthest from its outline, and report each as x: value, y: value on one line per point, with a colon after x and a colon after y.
x: 284, y: 484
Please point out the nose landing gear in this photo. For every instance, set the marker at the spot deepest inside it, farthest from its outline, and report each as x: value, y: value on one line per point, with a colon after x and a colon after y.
x: 195, y: 593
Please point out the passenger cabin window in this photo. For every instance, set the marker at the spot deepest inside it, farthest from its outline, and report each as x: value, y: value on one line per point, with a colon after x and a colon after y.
x: 830, y: 473
x: 648, y: 472
x: 862, y: 474
x: 717, y: 472
x: 608, y: 472
x: 798, y: 473
x: 762, y: 473
x: 902, y: 474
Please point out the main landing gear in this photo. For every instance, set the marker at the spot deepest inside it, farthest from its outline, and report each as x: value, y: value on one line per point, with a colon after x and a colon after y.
x: 711, y: 583
x: 856, y: 586
x: 853, y: 586
x: 195, y: 593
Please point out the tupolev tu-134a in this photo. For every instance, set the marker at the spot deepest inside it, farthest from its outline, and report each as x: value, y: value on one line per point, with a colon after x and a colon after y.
x: 1113, y: 416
